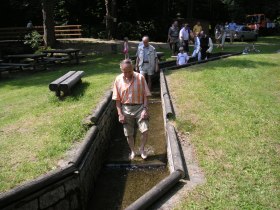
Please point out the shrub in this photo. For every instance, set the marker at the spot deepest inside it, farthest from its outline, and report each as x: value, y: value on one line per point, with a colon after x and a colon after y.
x: 33, y: 39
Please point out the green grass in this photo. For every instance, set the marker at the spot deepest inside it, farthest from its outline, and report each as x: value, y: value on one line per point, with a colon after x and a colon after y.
x: 36, y: 128
x: 269, y: 40
x: 231, y: 108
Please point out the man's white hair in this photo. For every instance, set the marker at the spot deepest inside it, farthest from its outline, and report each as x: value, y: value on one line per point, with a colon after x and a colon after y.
x: 145, y: 37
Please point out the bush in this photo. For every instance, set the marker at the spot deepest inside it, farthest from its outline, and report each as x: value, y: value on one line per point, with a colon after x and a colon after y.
x: 102, y: 35
x: 137, y: 30
x: 33, y: 39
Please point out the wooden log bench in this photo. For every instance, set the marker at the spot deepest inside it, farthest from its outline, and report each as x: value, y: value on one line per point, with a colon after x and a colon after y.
x: 56, y: 59
x: 5, y: 69
x: 66, y: 82
x: 10, y: 66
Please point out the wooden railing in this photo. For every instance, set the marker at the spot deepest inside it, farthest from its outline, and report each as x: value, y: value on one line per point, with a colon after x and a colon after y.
x: 61, y: 32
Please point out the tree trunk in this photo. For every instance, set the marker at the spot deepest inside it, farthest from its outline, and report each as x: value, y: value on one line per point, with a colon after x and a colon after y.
x: 114, y: 17
x: 109, y: 19
x: 48, y: 22
x: 190, y: 9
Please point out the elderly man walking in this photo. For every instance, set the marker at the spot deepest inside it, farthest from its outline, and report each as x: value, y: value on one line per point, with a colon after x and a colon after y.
x: 147, y: 61
x: 131, y: 94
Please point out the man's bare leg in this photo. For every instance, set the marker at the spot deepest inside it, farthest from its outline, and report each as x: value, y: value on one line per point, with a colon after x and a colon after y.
x: 150, y: 82
x: 130, y: 141
x: 144, y: 138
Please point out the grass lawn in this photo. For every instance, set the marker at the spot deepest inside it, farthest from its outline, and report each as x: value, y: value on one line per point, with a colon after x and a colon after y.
x: 36, y: 129
x: 231, y: 108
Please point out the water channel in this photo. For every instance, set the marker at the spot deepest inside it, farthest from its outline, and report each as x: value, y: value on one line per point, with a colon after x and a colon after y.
x: 122, y: 181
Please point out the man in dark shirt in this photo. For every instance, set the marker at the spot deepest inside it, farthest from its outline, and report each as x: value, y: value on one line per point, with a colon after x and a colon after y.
x: 173, y: 37
x: 206, y: 45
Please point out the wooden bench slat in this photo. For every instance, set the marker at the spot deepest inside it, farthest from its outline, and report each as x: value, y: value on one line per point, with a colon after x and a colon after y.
x: 68, y: 26
x: 52, y: 59
x: 67, y: 84
x: 68, y: 35
x: 69, y: 30
x: 5, y: 68
x: 17, y: 33
x: 15, y: 64
x: 12, y: 33
x: 53, y: 86
x: 12, y: 28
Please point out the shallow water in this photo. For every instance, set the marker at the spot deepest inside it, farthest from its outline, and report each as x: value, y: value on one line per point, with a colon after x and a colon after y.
x: 122, y: 181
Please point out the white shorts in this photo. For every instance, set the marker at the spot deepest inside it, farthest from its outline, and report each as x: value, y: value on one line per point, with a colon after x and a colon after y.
x: 146, y: 69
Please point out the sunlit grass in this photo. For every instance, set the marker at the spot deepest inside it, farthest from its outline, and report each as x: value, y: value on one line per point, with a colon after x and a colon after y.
x: 231, y: 108
x: 36, y: 128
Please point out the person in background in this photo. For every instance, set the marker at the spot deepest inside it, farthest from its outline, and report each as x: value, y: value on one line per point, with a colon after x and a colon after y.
x: 125, y: 48
x: 29, y: 25
x: 218, y: 34
x: 196, y: 50
x: 223, y: 35
x: 256, y: 27
x: 184, y: 37
x: 182, y: 57
x: 210, y: 29
x: 232, y: 27
x: 197, y: 28
x: 147, y: 61
x: 131, y: 94
x: 173, y: 37
x: 206, y: 46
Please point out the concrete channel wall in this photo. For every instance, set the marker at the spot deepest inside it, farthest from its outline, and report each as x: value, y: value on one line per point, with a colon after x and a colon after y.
x: 69, y: 188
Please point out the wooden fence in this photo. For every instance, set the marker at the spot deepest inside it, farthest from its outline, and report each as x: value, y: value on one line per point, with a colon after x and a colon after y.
x: 61, y: 32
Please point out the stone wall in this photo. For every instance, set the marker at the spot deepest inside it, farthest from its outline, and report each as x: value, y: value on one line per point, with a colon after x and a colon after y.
x: 68, y: 188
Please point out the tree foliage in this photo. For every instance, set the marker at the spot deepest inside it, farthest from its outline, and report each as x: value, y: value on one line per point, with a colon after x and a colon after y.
x: 94, y: 16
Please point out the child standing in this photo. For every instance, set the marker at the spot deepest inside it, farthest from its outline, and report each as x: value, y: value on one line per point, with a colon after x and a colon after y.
x: 125, y: 48
x: 182, y: 57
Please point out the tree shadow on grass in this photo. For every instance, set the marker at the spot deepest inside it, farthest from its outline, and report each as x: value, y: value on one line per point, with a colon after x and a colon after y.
x: 76, y: 93
x: 93, y: 66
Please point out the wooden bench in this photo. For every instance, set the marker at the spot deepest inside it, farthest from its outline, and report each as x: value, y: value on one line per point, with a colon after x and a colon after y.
x: 10, y: 66
x: 55, y: 59
x: 61, y: 32
x: 66, y: 82
x: 71, y: 54
x: 13, y: 33
x: 5, y: 69
x: 64, y: 31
